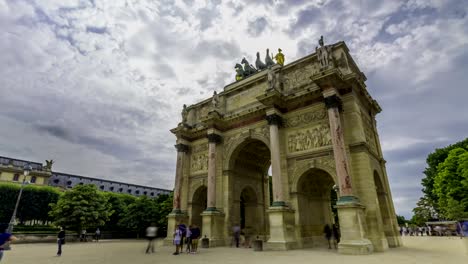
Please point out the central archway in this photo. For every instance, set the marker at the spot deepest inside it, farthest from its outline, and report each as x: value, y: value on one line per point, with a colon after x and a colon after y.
x: 249, y: 174
x: 314, y: 196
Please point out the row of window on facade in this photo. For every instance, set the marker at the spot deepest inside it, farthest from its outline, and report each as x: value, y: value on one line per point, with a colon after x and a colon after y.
x: 16, y: 178
x: 102, y: 187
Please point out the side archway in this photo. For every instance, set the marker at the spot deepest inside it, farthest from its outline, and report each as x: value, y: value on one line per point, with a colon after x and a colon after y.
x: 198, y: 205
x: 313, y: 198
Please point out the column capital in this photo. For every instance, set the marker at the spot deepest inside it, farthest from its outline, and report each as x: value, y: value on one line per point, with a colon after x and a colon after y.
x: 214, y: 138
x: 274, y: 119
x: 181, y: 147
x: 333, y: 101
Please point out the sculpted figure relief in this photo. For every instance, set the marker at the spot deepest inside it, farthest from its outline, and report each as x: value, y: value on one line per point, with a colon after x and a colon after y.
x: 199, y: 162
x: 317, y: 137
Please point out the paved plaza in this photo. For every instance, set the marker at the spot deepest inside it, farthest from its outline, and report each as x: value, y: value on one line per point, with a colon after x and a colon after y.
x: 425, y: 250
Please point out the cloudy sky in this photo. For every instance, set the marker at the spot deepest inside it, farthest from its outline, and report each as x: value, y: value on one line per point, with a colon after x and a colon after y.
x: 96, y: 85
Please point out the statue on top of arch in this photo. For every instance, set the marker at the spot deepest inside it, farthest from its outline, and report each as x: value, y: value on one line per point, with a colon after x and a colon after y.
x: 323, y: 54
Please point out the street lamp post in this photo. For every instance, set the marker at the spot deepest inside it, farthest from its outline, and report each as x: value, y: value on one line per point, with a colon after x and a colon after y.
x: 26, y: 170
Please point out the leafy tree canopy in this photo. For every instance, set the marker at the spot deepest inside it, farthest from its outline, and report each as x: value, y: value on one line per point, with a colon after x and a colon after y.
x: 451, y: 185
x: 82, y: 207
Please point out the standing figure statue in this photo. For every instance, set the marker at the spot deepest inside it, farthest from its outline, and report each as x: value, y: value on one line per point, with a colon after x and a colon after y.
x: 184, y: 114
x: 215, y: 101
x: 259, y: 64
x: 268, y: 61
x: 49, y: 164
x: 323, y: 54
x: 280, y: 58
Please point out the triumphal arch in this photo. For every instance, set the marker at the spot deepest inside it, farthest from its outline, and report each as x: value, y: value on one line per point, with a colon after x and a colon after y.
x: 312, y: 122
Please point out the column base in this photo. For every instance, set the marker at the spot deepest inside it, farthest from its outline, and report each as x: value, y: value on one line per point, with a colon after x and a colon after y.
x: 282, y: 229
x: 213, y: 223
x: 175, y: 218
x: 352, y: 227
x: 394, y: 241
x: 356, y: 247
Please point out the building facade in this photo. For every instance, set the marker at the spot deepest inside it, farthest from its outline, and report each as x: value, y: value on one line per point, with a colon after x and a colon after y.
x: 65, y: 180
x: 12, y: 170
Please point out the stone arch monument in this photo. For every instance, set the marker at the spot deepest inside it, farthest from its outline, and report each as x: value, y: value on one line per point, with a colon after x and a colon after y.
x: 315, y: 126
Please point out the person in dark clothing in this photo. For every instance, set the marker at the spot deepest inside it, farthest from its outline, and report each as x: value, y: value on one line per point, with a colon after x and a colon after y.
x: 5, y: 238
x: 336, y: 235
x: 195, y: 237
x: 236, y: 232
x: 328, y: 234
x: 60, y: 241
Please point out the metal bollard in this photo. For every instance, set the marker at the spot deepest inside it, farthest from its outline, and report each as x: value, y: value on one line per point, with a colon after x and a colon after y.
x: 205, y: 242
x: 258, y: 244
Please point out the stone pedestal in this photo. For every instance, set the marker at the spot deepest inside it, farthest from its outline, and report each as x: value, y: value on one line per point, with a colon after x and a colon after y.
x: 174, y: 219
x: 352, y: 222
x: 281, y: 229
x: 212, y: 227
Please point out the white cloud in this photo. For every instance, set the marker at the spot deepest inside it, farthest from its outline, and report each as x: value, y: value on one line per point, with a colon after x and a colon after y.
x: 104, y: 81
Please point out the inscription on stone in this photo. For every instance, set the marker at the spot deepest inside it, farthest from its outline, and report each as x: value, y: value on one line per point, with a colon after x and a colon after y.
x: 245, y: 97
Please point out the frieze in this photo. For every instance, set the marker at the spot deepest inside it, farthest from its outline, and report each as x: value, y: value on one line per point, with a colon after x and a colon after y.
x: 310, y: 138
x: 300, y: 77
x: 199, y: 162
x: 370, y: 133
x: 305, y: 118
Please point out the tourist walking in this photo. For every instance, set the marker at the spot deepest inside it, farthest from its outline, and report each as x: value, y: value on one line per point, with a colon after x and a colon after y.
x: 177, y: 240
x: 97, y: 234
x: 336, y: 235
x: 5, y: 237
x: 188, y: 239
x: 60, y: 241
x: 236, y: 234
x: 83, y: 235
x: 195, y: 230
x: 328, y: 234
x: 151, y: 232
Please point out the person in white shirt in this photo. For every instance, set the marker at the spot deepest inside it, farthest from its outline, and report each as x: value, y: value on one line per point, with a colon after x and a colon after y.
x: 151, y: 235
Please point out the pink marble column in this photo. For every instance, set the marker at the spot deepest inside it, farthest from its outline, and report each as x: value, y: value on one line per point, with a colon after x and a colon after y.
x: 274, y: 121
x: 333, y: 104
x: 181, y: 150
x: 213, y: 139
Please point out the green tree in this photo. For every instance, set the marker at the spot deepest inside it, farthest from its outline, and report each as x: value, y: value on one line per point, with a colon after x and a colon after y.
x: 164, y: 205
x: 140, y: 214
x: 119, y: 203
x: 433, y: 160
x: 401, y: 220
x: 423, y: 212
x: 80, y: 208
x: 451, y: 185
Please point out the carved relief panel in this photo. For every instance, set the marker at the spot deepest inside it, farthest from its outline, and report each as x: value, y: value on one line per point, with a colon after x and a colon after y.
x: 199, y: 158
x: 309, y: 138
x: 300, y: 77
x: 370, y: 133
